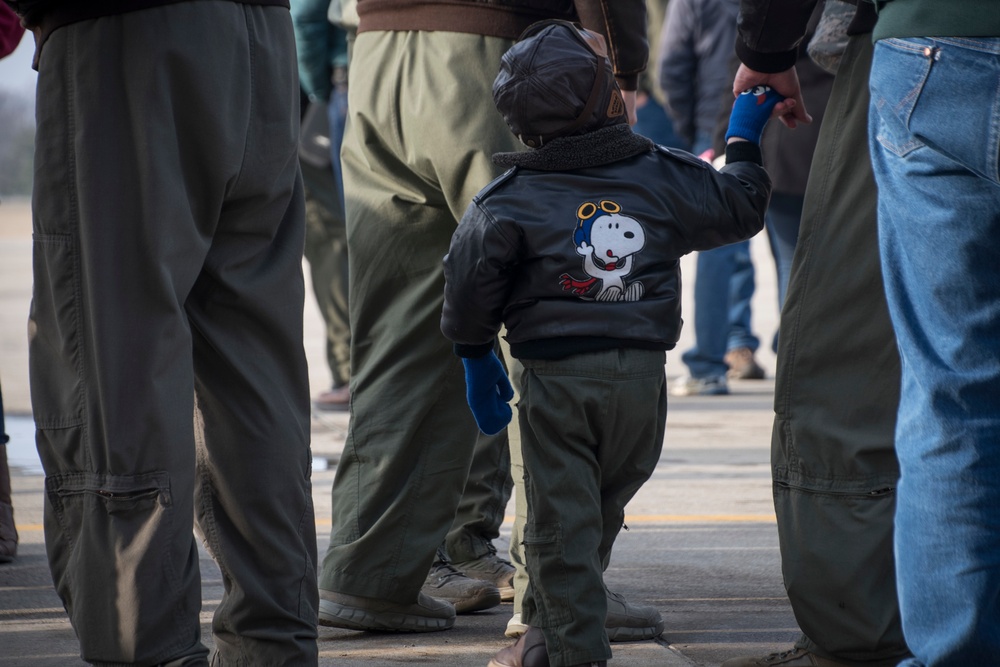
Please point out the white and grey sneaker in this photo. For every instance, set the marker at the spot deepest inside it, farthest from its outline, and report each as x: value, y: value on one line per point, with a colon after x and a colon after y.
x: 686, y: 385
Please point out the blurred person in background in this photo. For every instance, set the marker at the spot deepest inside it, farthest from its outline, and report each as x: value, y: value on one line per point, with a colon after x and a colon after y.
x: 652, y: 120
x: 788, y: 155
x: 696, y: 47
x: 322, y: 57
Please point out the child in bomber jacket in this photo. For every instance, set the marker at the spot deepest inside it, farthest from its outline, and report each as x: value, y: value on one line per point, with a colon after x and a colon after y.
x: 576, y: 249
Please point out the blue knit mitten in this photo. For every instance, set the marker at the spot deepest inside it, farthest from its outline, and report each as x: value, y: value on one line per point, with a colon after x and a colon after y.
x: 487, y: 391
x: 751, y: 111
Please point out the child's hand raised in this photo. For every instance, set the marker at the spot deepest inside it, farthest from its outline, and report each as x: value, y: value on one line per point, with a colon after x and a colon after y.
x: 751, y: 111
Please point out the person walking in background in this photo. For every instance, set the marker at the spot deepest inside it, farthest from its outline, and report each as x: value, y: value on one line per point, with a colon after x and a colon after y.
x: 506, y: 265
x: 322, y: 58
x: 833, y: 462
x: 696, y: 46
x: 416, y: 151
x: 788, y: 155
x: 934, y: 134
x: 168, y: 380
x: 694, y: 51
x: 652, y: 120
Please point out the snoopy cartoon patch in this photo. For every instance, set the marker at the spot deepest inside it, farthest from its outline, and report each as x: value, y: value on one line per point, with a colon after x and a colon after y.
x: 608, y: 242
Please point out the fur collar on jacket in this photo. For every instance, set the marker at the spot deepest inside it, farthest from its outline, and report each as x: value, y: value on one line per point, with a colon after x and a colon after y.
x: 604, y: 146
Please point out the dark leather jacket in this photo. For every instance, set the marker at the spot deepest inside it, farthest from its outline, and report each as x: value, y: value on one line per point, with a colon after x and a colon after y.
x: 577, y: 247
x: 769, y: 31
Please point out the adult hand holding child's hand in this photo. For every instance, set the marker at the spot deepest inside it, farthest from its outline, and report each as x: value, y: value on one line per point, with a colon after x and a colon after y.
x: 751, y: 111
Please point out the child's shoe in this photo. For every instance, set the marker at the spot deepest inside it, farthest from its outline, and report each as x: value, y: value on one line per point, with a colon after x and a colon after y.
x: 515, y: 628
x: 527, y: 651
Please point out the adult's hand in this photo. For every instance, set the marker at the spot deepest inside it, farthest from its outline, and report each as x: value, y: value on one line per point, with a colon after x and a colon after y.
x: 792, y: 110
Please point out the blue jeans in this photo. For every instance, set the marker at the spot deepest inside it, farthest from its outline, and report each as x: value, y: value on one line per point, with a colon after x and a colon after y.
x: 653, y: 122
x: 337, y: 114
x: 783, y: 217
x: 935, y: 140
x: 784, y: 214
x: 724, y: 284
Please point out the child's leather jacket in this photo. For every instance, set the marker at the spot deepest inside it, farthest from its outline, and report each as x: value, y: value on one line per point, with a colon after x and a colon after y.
x: 577, y: 247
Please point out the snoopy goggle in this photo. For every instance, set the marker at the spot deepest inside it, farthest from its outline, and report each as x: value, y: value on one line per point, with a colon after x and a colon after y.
x: 589, y: 209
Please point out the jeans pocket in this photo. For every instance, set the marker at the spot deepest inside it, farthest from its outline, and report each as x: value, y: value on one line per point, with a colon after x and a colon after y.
x: 943, y: 93
x: 898, y: 75
x: 54, y: 334
x: 548, y: 604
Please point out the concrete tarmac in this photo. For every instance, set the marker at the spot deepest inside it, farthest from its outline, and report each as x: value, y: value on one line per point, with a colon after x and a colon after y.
x: 701, y: 544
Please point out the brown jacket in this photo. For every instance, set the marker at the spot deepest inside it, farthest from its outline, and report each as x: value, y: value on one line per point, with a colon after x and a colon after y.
x: 622, y: 22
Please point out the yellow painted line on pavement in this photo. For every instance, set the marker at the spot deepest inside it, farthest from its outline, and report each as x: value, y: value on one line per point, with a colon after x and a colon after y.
x: 28, y: 527
x: 637, y: 519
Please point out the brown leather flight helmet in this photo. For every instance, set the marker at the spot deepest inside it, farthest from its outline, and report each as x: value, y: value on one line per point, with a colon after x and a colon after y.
x: 557, y: 81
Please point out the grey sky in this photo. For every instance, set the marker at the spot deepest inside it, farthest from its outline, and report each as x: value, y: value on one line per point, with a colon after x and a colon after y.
x: 16, y: 75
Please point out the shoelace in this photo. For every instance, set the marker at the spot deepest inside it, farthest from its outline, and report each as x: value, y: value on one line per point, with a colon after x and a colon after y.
x: 445, y: 571
x: 442, y: 567
x: 493, y: 553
